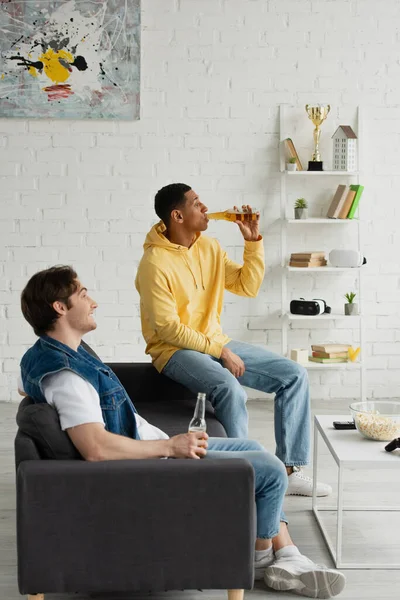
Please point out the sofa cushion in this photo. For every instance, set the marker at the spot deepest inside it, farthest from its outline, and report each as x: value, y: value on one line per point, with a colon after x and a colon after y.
x: 41, y: 423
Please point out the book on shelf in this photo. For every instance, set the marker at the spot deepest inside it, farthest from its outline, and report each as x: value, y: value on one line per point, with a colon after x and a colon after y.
x: 337, y: 202
x: 330, y: 354
x: 347, y: 204
x: 328, y: 361
x: 311, y: 263
x: 307, y: 259
x: 307, y: 255
x: 358, y: 189
x: 292, y: 153
x: 330, y: 347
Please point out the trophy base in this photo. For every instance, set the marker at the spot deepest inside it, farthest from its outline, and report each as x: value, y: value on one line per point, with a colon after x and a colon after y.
x: 315, y: 165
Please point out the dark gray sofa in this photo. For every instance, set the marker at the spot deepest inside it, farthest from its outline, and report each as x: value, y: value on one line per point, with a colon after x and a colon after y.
x: 131, y: 525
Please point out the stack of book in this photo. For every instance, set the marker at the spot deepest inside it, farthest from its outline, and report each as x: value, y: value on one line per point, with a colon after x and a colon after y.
x: 307, y: 259
x: 330, y: 353
x: 345, y: 201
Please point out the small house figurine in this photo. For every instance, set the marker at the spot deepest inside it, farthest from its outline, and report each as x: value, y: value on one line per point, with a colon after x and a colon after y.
x: 344, y: 149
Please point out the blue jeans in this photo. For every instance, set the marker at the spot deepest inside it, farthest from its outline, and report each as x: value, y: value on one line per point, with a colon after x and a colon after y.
x: 266, y: 372
x: 270, y: 479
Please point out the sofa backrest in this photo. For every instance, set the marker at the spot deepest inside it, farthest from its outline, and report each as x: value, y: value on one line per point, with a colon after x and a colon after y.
x: 144, y: 383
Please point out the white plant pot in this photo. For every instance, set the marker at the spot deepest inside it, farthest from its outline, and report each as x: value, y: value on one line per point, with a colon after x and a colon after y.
x: 351, y: 309
x: 301, y: 213
x: 291, y: 167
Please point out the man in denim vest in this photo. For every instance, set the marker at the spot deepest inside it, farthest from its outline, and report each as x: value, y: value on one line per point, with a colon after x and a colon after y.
x: 102, y: 423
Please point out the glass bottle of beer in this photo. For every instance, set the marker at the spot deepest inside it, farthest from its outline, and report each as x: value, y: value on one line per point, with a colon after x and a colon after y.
x: 198, y: 423
x: 234, y: 215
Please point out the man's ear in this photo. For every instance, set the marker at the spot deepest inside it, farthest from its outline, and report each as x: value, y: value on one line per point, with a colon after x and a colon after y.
x: 176, y: 216
x: 60, y: 307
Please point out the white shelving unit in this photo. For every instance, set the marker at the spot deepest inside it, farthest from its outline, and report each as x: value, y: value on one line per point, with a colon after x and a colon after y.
x: 350, y: 225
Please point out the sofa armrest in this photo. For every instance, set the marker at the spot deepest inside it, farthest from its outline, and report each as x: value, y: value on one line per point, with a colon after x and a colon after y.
x: 135, y: 525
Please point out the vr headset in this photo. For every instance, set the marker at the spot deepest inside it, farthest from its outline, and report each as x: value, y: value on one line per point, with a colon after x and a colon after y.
x: 309, y: 308
x: 346, y: 258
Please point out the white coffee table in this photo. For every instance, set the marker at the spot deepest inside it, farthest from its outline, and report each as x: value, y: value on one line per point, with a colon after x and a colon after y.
x: 349, y: 450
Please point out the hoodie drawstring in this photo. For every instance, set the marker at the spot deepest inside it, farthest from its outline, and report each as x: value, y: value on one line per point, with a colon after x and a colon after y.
x: 188, y: 266
x: 201, y: 269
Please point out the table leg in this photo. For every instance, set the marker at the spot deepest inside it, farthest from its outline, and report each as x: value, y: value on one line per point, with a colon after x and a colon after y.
x: 315, y: 467
x: 339, y: 521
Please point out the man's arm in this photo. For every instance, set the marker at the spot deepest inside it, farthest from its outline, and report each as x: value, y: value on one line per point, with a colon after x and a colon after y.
x: 246, y: 279
x: 161, y: 310
x: 78, y: 407
x: 94, y: 443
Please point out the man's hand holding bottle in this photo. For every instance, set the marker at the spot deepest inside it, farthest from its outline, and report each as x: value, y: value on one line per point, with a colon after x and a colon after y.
x: 250, y: 226
x: 189, y: 445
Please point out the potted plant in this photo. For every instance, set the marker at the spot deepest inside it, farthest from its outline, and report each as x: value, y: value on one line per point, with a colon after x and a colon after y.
x: 300, y: 209
x: 291, y: 164
x: 350, y: 308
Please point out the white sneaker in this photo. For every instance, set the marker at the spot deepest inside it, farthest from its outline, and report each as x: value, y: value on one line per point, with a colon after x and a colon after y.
x: 300, y: 575
x: 261, y: 565
x: 302, y: 485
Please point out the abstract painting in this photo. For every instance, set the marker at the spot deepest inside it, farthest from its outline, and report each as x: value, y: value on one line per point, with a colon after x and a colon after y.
x: 74, y: 59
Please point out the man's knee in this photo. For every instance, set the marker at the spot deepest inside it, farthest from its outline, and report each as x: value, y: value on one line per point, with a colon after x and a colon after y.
x: 296, y: 370
x: 279, y: 471
x: 254, y: 446
x: 230, y: 388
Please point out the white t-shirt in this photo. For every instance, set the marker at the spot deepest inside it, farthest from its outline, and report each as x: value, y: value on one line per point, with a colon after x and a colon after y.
x: 77, y: 403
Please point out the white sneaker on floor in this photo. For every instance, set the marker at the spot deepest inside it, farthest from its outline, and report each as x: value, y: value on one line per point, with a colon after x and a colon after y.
x: 300, y: 575
x: 261, y: 565
x: 302, y: 485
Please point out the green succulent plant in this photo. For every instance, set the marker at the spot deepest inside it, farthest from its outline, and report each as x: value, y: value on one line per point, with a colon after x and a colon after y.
x: 292, y: 161
x: 301, y: 203
x: 350, y: 297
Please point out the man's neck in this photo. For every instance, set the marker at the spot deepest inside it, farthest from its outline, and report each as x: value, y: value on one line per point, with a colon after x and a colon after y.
x: 69, y: 338
x: 181, y: 238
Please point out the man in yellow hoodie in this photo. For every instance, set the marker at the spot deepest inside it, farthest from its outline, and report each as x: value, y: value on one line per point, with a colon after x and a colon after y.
x: 181, y: 280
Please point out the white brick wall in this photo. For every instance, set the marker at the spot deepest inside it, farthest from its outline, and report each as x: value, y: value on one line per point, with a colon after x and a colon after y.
x: 213, y: 75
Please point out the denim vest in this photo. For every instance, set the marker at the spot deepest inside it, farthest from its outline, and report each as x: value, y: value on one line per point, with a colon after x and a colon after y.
x: 48, y: 356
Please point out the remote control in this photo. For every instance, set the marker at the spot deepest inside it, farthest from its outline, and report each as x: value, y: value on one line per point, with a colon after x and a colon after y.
x: 344, y: 425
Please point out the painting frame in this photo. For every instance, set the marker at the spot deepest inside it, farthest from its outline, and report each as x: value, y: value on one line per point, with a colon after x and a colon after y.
x: 70, y: 59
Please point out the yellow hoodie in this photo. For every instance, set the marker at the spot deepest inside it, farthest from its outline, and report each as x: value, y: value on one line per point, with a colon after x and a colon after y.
x: 182, y: 289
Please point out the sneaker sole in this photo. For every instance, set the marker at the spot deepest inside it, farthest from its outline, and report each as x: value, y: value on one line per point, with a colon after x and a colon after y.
x: 308, y: 495
x: 313, y: 584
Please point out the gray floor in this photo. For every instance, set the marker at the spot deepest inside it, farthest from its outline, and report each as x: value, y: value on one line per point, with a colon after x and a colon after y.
x: 366, y: 534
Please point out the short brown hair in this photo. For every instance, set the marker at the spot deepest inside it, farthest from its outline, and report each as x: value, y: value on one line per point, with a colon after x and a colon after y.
x: 42, y: 290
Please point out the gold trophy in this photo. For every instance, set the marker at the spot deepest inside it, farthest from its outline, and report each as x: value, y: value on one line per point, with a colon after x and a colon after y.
x: 317, y: 114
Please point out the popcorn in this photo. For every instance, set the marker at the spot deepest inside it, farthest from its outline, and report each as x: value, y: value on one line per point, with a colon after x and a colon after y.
x: 377, y: 427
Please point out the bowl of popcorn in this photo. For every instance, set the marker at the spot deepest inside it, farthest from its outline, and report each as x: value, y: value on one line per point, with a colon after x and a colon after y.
x: 377, y: 419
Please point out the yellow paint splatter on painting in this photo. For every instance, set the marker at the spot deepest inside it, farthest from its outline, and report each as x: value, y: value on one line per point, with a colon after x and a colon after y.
x: 2, y: 76
x: 52, y: 66
x: 32, y: 71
